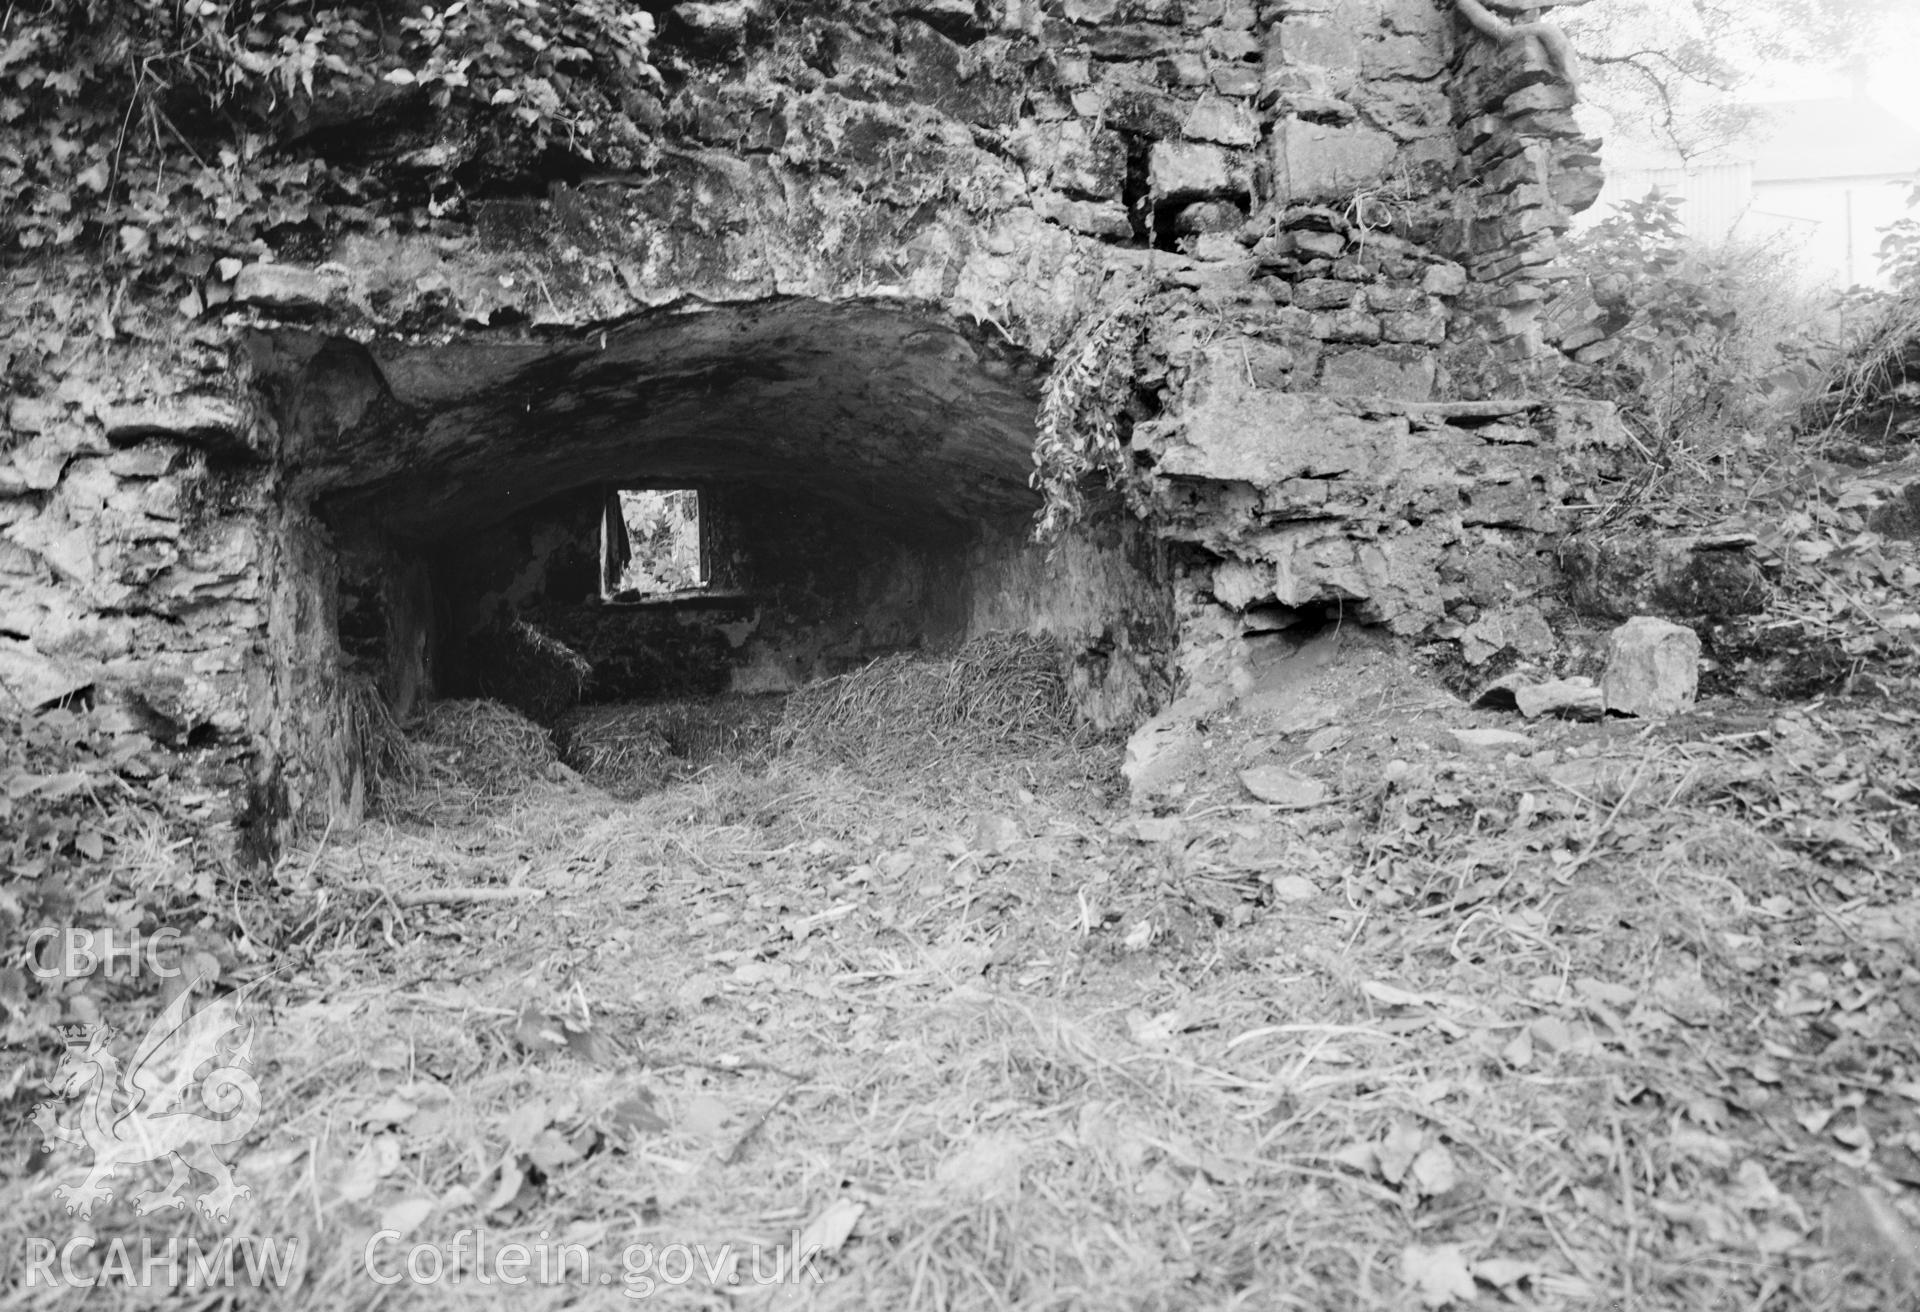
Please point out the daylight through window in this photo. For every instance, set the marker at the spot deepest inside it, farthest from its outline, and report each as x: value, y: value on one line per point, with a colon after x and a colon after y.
x: 653, y: 544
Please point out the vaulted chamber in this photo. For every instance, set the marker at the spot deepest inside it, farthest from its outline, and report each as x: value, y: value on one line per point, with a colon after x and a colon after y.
x: 697, y: 503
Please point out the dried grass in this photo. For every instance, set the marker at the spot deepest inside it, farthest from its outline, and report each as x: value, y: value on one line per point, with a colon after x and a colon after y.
x: 907, y: 713
x: 530, y: 670
x: 391, y: 758
x: 998, y: 695
x: 460, y: 755
x: 1868, y: 373
x: 635, y: 749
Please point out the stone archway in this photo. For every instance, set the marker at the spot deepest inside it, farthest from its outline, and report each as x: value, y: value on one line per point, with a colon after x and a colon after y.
x: 863, y: 468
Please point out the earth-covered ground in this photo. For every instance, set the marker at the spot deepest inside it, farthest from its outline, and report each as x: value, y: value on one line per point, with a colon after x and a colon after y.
x: 1623, y: 1015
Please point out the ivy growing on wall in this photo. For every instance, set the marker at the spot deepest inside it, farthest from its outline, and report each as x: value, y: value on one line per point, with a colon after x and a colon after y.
x: 144, y: 141
x: 1085, y: 399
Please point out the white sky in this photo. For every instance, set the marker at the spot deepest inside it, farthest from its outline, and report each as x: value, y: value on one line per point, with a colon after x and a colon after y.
x: 1893, y: 80
x: 1834, y: 234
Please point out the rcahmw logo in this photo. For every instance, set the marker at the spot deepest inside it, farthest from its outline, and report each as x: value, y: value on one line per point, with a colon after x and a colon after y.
x: 172, y: 1262
x: 187, y: 1089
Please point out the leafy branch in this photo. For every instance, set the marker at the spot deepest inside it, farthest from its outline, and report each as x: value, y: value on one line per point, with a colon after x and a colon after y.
x: 1090, y: 388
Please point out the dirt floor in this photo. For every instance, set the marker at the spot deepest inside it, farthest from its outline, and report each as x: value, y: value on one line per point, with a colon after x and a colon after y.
x: 1627, y: 1016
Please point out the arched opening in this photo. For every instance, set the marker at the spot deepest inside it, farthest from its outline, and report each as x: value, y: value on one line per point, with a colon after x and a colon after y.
x: 810, y: 486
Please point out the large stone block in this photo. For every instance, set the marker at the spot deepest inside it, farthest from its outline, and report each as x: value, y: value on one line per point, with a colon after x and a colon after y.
x: 1228, y: 122
x: 1312, y: 43
x: 213, y: 422
x: 1409, y: 57
x: 1679, y: 577
x: 1072, y: 158
x: 1323, y: 294
x: 1351, y: 325
x: 1229, y: 429
x: 1185, y: 170
x: 283, y: 287
x: 33, y: 414
x: 1395, y: 372
x: 1314, y: 162
x: 1235, y: 79
x: 1095, y: 218
x: 1132, y: 40
x: 1653, y: 668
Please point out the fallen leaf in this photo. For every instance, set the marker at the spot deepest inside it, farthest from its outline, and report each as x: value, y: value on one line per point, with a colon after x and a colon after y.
x: 1389, y: 995
x: 637, y: 1113
x: 1612, y: 995
x: 993, y: 834
x: 524, y: 1123
x: 535, y: 1031
x: 1863, y: 1224
x: 406, y: 1215
x: 1397, y: 1151
x: 1435, y: 1172
x: 507, y: 1188
x: 1151, y: 829
x: 705, y: 1116
x: 550, y: 1151
x: 1519, y: 1051
x: 1552, y: 1033
x: 1326, y: 740
x: 829, y: 1229
x: 1362, y: 1157
x: 1293, y: 888
x: 1439, y: 1275
x: 984, y: 1167
x: 1152, y: 1031
x: 377, y: 1159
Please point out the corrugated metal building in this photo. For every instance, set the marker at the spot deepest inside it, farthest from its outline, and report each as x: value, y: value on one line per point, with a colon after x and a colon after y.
x: 1825, y: 176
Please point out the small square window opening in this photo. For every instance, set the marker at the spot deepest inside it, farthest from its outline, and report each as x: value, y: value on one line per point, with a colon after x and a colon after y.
x: 653, y: 544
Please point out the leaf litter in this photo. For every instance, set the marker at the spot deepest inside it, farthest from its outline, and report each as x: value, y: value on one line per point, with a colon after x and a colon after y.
x: 1626, y: 1018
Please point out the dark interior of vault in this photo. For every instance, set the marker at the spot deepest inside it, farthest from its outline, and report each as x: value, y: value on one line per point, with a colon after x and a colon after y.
x: 796, y: 585
x: 699, y: 505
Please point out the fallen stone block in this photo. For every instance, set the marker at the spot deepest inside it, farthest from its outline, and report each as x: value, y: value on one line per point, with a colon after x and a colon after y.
x: 1577, y: 697
x: 1278, y: 786
x: 1653, y: 668
x: 1165, y: 750
x: 1489, y: 742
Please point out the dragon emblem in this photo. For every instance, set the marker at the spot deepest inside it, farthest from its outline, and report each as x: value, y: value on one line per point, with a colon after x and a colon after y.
x: 159, y: 1105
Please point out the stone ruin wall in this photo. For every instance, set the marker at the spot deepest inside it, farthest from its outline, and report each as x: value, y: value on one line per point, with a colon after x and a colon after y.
x: 1338, y: 220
